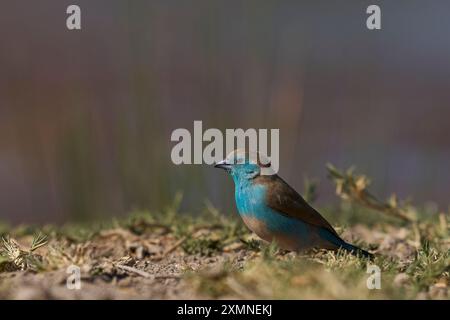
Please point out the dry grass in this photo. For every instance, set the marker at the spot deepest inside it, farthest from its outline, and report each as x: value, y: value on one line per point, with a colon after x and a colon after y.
x: 171, y: 255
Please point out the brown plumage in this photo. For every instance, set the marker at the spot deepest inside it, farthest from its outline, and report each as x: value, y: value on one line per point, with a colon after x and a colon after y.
x: 282, y: 198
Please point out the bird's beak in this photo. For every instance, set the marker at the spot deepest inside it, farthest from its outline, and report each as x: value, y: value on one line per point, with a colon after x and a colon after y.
x: 222, y: 165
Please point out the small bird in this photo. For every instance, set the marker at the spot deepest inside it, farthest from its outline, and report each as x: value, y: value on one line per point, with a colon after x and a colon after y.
x: 275, y: 211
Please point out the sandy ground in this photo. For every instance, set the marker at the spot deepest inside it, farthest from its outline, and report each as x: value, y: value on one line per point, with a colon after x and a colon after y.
x: 118, y: 264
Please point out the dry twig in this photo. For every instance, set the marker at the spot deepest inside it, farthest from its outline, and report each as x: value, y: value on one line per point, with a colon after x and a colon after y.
x: 355, y: 188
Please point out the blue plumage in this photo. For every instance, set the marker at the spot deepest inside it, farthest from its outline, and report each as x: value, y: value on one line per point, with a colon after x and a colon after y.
x: 276, y: 212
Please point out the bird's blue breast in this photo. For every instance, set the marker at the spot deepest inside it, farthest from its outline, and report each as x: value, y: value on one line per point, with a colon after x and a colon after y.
x: 251, y: 204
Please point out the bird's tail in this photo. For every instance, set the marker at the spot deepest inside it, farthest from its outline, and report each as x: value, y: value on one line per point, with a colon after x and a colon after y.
x: 356, y: 251
x: 340, y: 243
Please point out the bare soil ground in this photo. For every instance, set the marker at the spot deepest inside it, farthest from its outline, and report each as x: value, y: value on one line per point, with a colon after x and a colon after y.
x: 119, y: 264
x: 172, y: 255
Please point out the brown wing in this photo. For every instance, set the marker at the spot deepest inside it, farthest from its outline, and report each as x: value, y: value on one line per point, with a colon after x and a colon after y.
x: 285, y: 200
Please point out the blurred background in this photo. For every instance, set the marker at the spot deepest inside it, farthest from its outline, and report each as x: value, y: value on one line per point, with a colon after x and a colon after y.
x: 86, y: 116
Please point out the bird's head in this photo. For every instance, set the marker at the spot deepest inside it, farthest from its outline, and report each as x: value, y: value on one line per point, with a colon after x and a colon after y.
x: 244, y: 165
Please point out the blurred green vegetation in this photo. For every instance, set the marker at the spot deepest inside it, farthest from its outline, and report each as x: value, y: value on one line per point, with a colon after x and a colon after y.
x: 86, y: 118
